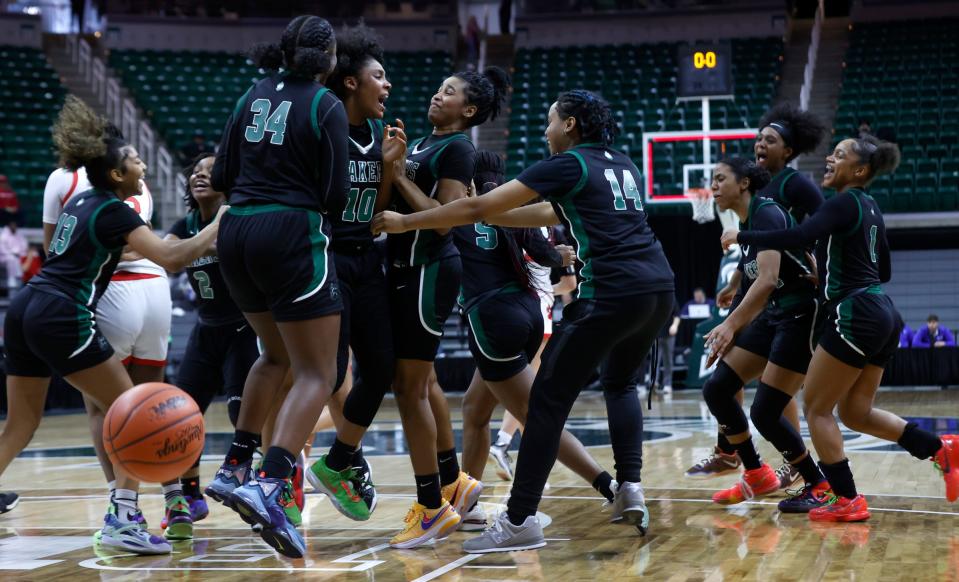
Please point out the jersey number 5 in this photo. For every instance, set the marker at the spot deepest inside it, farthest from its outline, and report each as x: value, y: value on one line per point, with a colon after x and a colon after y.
x: 264, y: 121
x: 487, y: 239
x: 632, y: 192
x: 63, y: 233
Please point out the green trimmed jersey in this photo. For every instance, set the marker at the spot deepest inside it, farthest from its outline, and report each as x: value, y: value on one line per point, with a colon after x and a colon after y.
x: 594, y: 191
x: 352, y: 225
x: 795, y: 192
x: 87, y: 243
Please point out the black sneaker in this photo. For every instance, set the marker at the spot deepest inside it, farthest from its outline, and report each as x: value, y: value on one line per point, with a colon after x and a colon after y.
x: 807, y: 498
x: 363, y: 484
x: 8, y: 500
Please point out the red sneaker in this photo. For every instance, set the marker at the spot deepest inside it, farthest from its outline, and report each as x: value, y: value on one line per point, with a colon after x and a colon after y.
x: 754, y: 483
x: 843, y: 509
x: 298, y: 485
x: 947, y: 461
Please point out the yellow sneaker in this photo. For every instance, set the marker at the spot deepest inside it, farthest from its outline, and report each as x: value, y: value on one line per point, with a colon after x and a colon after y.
x: 424, y: 524
x: 463, y: 493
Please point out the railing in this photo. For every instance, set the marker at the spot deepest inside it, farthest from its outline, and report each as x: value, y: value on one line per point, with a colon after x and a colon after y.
x: 122, y: 111
x: 810, y: 70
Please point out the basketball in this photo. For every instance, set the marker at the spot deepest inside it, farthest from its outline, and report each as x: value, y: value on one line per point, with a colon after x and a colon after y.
x: 154, y: 432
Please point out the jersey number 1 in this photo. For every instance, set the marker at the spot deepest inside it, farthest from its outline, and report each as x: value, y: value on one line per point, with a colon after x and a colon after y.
x: 264, y: 121
x: 63, y: 234
x: 632, y: 192
x: 873, y: 231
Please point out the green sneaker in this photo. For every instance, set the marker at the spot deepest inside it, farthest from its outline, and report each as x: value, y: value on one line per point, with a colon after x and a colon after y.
x: 339, y: 488
x: 288, y: 502
x: 179, y: 522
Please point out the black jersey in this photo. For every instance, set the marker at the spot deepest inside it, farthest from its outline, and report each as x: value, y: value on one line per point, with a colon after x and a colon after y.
x: 286, y: 143
x: 487, y: 261
x: 852, y: 253
x: 352, y: 226
x: 793, y: 289
x: 428, y: 161
x: 593, y: 190
x: 86, y: 246
x: 795, y: 192
x: 214, y: 304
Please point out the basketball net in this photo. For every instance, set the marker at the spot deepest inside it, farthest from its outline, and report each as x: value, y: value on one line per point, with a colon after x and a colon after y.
x: 701, y: 200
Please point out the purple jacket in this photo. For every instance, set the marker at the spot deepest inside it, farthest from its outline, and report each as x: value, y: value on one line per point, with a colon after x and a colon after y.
x: 923, y: 339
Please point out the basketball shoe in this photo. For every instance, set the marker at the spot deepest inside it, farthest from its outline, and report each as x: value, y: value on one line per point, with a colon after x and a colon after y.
x: 754, y: 483
x: 716, y: 464
x: 947, y: 461
x: 265, y: 501
x: 297, y: 481
x: 788, y: 475
x: 129, y: 536
x: 198, y: 510
x: 474, y: 519
x: 177, y: 521
x: 8, y: 500
x: 629, y: 506
x: 808, y: 498
x: 338, y: 487
x: 423, y: 524
x: 842, y: 509
x: 503, y: 536
x: 463, y: 493
x: 229, y: 477
x: 363, y: 484
x: 504, y: 464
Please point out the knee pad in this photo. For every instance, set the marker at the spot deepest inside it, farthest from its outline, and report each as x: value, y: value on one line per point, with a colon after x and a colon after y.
x: 719, y: 392
x: 766, y: 413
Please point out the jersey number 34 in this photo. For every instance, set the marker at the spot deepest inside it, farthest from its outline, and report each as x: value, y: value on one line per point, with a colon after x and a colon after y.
x: 264, y: 121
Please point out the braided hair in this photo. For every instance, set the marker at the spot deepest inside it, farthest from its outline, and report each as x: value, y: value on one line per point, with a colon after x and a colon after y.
x: 355, y: 48
x: 592, y: 114
x: 84, y: 139
x: 882, y: 157
x: 302, y: 48
x: 743, y: 168
x: 800, y: 130
x: 487, y: 91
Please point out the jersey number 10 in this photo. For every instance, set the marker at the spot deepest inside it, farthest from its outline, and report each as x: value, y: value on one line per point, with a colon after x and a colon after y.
x: 264, y: 121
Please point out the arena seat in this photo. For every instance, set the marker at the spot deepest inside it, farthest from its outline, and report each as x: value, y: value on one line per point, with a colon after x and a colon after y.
x: 32, y: 95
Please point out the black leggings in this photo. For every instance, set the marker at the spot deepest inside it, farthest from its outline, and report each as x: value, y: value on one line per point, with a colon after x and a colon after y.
x: 619, y: 331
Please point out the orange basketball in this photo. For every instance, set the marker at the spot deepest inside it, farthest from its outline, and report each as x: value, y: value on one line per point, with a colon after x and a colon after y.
x: 154, y: 431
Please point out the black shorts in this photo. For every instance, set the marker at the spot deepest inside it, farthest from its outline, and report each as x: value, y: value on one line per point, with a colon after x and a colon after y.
x: 421, y: 299
x: 784, y: 339
x: 275, y: 258
x: 45, y: 331
x: 862, y: 329
x: 365, y: 325
x: 217, y: 357
x: 505, y: 332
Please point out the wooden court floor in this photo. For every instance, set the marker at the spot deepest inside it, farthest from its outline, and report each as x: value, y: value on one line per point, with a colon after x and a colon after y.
x: 913, y: 534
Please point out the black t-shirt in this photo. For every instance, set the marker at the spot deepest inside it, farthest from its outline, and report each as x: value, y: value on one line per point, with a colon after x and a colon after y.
x: 214, y: 304
x: 488, y: 265
x: 428, y: 161
x: 593, y: 190
x: 793, y: 289
x: 86, y: 246
x: 852, y: 253
x: 352, y: 226
x: 795, y: 192
x: 285, y: 143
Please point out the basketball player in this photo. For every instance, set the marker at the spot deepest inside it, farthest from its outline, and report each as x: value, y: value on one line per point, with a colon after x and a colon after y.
x: 862, y: 325
x: 769, y: 335
x: 51, y: 327
x: 283, y: 161
x: 219, y: 353
x: 625, y: 297
x: 786, y: 132
x: 424, y: 276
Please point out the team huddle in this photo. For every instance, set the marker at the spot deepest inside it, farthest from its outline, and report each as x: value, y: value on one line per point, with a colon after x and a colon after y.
x: 278, y: 245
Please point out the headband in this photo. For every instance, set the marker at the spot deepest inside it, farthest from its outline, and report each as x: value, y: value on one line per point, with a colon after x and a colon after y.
x: 782, y: 128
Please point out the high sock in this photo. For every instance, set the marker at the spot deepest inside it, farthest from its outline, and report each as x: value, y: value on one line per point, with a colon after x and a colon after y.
x: 428, y: 491
x: 358, y: 457
x: 503, y: 439
x: 603, y: 484
x: 278, y: 463
x: 449, y: 466
x: 243, y: 446
x: 172, y: 491
x: 919, y: 443
x: 126, y: 502
x: 809, y: 470
x: 723, y: 444
x: 840, y: 478
x: 191, y: 487
x: 340, y: 455
x: 748, y: 454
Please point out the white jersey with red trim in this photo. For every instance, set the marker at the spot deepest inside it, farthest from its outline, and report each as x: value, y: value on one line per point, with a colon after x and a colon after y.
x: 143, y: 205
x: 541, y: 280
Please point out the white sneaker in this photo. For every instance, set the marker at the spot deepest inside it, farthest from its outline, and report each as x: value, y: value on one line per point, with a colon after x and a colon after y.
x: 504, y: 464
x: 129, y: 537
x: 667, y: 390
x: 474, y: 519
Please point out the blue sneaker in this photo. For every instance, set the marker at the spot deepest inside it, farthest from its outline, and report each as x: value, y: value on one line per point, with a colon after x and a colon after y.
x: 265, y: 501
x: 129, y: 537
x: 228, y: 478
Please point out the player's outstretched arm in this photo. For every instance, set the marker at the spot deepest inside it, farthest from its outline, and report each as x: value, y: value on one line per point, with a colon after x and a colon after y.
x: 174, y: 255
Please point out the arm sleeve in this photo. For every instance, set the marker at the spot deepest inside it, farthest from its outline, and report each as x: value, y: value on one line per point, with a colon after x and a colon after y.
x: 179, y: 229
x: 539, y: 249
x: 838, y: 215
x: 457, y: 162
x: 801, y: 193
x: 554, y: 177
x: 335, y: 135
x: 51, y: 196
x: 921, y: 339
x: 114, y: 223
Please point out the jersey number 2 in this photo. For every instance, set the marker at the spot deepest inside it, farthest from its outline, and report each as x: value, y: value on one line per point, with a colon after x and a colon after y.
x: 264, y: 121
x: 632, y: 192
x: 203, y: 280
x: 63, y: 233
x: 359, y: 206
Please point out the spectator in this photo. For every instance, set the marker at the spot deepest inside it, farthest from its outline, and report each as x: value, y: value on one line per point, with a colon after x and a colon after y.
x: 192, y: 150
x: 933, y: 335
x: 699, y: 307
x: 666, y: 344
x: 905, y: 338
x: 13, y: 246
x: 31, y: 262
x: 865, y: 128
x: 9, y: 203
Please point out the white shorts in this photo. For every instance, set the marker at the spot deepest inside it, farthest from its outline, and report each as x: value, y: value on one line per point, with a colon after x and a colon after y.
x: 546, y: 307
x: 134, y: 316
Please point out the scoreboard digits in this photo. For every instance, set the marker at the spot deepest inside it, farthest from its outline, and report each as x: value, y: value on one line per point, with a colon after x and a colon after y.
x: 704, y: 71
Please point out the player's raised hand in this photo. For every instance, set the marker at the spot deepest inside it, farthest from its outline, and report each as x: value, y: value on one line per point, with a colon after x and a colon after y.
x: 388, y: 222
x: 729, y: 238
x: 394, y: 142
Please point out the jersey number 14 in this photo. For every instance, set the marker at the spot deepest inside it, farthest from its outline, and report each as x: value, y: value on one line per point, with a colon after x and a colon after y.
x: 629, y: 185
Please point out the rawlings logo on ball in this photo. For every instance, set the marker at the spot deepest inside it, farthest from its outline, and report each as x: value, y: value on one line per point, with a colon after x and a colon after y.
x: 181, y: 442
x: 172, y: 403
